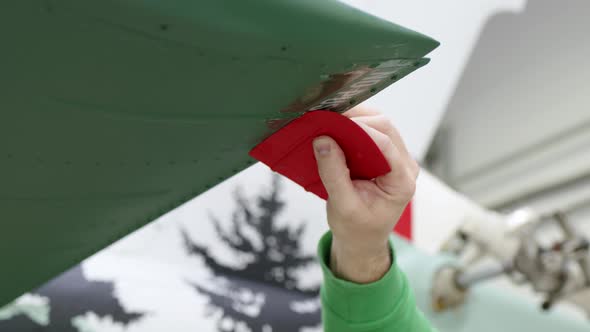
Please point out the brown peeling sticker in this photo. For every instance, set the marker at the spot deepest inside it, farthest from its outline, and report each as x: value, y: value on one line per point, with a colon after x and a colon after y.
x: 320, y: 92
x: 342, y: 91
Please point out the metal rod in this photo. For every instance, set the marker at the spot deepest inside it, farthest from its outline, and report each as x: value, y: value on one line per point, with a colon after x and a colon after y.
x: 465, y: 279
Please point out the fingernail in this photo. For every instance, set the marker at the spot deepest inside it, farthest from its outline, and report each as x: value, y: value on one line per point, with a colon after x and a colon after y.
x: 321, y: 147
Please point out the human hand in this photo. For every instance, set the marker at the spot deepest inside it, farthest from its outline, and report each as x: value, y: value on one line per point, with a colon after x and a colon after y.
x: 362, y: 213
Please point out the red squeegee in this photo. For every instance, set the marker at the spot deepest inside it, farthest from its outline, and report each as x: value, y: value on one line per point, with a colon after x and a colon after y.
x: 289, y: 151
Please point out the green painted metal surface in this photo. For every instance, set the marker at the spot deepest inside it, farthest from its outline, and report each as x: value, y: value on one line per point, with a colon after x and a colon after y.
x: 114, y: 112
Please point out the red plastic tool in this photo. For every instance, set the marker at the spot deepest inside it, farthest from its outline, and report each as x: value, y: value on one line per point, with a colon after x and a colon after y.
x: 289, y: 151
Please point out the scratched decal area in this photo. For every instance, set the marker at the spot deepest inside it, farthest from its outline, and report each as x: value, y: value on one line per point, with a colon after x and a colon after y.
x: 342, y: 91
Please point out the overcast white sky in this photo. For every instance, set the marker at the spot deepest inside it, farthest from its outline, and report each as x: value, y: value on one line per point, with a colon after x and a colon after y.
x: 417, y: 102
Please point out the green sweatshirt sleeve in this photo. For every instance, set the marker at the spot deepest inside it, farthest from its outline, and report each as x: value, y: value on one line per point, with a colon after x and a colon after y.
x: 384, y: 306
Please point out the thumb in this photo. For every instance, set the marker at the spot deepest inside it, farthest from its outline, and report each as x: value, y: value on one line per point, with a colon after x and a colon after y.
x: 332, y: 168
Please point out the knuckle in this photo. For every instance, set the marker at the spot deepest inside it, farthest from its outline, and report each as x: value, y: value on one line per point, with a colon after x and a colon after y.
x: 334, y: 178
x: 414, y: 168
x: 388, y: 144
x: 387, y: 123
x: 406, y: 188
x: 385, y: 144
x: 340, y: 178
x: 369, y: 109
x: 410, y: 187
x: 387, y: 126
x: 417, y: 172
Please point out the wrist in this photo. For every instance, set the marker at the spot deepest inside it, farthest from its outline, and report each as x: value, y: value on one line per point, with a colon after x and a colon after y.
x: 360, y: 265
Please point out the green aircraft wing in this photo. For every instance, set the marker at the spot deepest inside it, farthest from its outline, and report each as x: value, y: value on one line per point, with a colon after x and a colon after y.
x: 114, y: 112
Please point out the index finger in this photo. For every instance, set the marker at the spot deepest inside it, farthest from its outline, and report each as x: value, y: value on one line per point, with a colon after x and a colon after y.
x: 382, y: 123
x: 360, y: 111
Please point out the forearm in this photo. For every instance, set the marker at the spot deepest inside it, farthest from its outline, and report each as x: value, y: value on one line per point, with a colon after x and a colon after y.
x: 385, y: 305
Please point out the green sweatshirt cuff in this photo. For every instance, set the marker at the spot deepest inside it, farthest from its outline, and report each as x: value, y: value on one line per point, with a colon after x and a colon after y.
x: 348, y: 306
